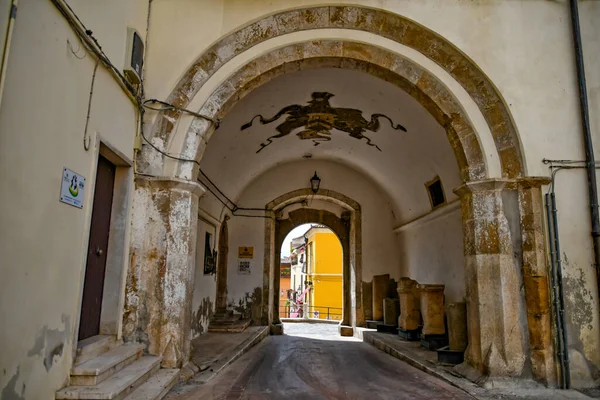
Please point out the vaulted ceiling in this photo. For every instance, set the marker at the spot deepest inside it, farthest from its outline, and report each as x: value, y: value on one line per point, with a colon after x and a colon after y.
x: 399, y: 162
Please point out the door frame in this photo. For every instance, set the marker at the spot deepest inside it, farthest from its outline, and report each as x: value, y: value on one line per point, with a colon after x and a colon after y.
x: 111, y: 317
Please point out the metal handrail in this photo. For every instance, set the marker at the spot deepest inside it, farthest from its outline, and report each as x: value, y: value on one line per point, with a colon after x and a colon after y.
x: 303, y: 312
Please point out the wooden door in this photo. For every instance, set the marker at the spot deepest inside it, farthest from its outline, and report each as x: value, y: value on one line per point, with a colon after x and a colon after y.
x: 91, y: 307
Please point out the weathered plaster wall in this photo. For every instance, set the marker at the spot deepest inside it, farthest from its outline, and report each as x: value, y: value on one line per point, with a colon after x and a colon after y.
x: 431, y: 251
x: 574, y: 224
x: 43, y: 242
x: 203, y: 303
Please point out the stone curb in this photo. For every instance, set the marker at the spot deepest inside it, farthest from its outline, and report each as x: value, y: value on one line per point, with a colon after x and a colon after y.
x: 460, y: 382
x: 195, y: 373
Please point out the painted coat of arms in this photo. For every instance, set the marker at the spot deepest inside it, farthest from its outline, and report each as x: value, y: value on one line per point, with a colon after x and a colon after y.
x: 318, y: 118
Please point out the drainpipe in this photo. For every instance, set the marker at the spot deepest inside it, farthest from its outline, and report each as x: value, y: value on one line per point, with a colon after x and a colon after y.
x: 587, y: 139
x: 7, y: 40
x: 558, y: 292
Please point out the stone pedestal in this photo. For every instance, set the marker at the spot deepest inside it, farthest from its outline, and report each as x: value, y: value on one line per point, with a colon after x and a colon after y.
x: 367, y: 296
x: 391, y: 310
x: 457, y: 326
x: 432, y: 309
x: 160, y: 278
x: 409, y: 304
x: 380, y: 288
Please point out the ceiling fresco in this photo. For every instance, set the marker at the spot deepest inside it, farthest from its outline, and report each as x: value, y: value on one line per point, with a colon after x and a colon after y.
x: 318, y: 118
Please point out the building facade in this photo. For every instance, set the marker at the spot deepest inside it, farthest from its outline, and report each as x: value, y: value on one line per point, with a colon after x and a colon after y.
x: 324, y: 271
x: 238, y: 105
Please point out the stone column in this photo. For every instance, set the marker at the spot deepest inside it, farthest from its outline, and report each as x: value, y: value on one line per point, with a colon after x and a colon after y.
x: 380, y: 287
x: 539, y: 319
x: 160, y: 278
x: 432, y: 309
x: 409, y: 305
x: 496, y: 346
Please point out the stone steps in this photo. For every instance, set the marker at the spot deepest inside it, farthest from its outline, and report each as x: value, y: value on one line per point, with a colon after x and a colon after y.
x: 92, y: 347
x: 226, y: 317
x: 157, y: 386
x: 100, y: 368
x: 118, y: 386
x: 229, y: 326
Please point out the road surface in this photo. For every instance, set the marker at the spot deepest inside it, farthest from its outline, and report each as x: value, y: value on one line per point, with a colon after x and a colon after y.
x: 313, y: 362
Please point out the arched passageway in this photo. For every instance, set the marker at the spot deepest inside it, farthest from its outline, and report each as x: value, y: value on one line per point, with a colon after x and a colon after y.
x: 495, y: 240
x: 346, y: 226
x: 310, y: 282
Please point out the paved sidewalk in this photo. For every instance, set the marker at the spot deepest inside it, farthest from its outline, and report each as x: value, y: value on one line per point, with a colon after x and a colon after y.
x: 425, y: 360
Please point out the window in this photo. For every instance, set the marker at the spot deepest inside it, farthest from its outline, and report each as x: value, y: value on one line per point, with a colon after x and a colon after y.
x: 436, y: 192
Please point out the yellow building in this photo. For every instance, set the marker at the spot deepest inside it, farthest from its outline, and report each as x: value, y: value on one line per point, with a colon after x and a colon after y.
x: 324, y: 270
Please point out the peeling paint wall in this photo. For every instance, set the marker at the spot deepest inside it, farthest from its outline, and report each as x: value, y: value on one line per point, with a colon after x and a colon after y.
x: 203, y: 302
x: 158, y: 309
x: 43, y: 242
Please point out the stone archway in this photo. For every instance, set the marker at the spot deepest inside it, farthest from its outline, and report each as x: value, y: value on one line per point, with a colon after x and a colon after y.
x: 349, y: 232
x: 379, y: 22
x: 504, y: 244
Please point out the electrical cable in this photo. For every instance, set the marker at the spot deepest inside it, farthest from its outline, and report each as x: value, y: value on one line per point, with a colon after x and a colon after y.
x: 171, y: 107
x: 86, y: 138
x: 85, y: 35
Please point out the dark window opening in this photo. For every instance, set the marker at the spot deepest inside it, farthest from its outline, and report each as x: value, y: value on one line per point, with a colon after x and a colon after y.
x: 436, y: 192
x: 210, y: 264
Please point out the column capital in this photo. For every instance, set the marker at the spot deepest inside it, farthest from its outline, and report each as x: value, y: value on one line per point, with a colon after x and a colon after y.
x: 486, y: 185
x: 168, y: 182
x: 528, y: 182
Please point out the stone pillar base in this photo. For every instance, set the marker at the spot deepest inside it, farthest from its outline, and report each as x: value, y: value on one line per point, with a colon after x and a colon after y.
x: 346, y: 330
x: 276, y: 329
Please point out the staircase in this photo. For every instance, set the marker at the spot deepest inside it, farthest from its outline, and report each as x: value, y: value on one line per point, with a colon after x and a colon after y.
x: 107, y: 369
x: 227, y: 321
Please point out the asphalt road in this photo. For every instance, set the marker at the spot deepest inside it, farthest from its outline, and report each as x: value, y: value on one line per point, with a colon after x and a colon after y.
x: 313, y: 362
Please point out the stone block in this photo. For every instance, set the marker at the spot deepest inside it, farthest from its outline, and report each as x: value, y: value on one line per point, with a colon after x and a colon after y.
x: 432, y: 309
x: 536, y: 292
x: 380, y: 287
x: 457, y: 326
x: 276, y: 329
x: 367, y: 296
x: 391, y: 311
x: 346, y: 330
x: 409, y: 304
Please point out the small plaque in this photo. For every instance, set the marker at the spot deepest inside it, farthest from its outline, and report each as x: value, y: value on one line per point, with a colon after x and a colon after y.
x: 245, y: 267
x: 246, y: 252
x: 72, y: 189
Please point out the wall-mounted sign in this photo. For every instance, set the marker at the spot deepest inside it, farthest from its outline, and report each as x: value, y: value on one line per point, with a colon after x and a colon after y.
x: 246, y: 252
x: 72, y: 188
x: 245, y: 267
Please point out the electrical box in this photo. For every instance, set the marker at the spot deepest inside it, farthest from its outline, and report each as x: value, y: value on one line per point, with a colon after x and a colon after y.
x: 134, y: 58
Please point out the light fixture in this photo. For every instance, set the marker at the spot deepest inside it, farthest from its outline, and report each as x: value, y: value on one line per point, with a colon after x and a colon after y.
x: 315, y: 182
